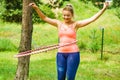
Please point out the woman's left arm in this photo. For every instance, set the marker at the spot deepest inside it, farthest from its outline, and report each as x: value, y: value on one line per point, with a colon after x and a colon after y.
x: 93, y: 18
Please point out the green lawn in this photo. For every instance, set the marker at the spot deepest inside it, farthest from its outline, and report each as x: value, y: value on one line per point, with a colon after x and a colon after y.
x: 43, y: 66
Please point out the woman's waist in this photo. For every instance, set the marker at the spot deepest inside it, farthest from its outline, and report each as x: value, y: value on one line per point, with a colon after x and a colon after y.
x: 69, y: 48
x: 66, y: 40
x: 68, y: 43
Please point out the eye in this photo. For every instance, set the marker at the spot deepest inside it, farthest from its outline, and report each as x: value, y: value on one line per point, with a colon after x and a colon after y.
x: 66, y: 15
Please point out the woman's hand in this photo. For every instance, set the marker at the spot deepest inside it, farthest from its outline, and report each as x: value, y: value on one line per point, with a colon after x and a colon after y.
x: 33, y: 5
x: 106, y: 4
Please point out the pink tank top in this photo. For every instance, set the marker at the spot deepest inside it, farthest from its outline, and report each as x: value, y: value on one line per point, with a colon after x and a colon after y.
x: 67, y: 34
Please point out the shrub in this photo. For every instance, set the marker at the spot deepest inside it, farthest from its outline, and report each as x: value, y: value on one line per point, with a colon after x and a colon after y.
x: 13, y: 11
x: 118, y: 12
x: 116, y: 3
x: 94, y: 43
x: 82, y: 45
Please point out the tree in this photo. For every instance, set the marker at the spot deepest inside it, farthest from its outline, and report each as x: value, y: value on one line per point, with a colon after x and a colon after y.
x: 116, y: 3
x: 25, y: 43
x: 13, y: 10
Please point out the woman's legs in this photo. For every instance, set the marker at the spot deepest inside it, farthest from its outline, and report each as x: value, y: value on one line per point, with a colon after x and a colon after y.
x: 67, y: 64
x: 72, y: 65
x: 61, y: 66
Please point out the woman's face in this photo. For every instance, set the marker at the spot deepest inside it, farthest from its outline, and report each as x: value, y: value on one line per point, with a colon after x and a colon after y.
x: 67, y: 16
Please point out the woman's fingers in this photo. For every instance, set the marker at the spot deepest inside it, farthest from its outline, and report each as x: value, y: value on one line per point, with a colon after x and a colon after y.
x: 31, y: 4
x: 106, y: 4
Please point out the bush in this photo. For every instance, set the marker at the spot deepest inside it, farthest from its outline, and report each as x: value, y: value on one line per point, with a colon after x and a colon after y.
x: 116, y: 3
x: 94, y: 47
x: 82, y: 45
x: 2, y: 9
x: 118, y: 12
x: 7, y: 45
x: 13, y: 11
x: 94, y: 44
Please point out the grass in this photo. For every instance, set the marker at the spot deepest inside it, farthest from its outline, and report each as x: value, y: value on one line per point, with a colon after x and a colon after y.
x: 43, y: 66
x: 10, y: 31
x: 4, y: 45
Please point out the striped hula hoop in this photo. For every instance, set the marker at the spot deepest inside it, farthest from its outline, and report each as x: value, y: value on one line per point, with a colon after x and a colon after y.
x: 42, y: 49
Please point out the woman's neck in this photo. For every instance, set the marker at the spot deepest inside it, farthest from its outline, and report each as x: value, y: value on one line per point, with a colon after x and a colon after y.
x: 68, y: 23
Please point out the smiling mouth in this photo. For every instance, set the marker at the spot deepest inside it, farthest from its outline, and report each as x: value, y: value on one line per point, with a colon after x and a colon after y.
x: 66, y: 18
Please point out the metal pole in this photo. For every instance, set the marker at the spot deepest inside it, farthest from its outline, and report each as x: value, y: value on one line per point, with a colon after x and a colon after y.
x: 102, y: 42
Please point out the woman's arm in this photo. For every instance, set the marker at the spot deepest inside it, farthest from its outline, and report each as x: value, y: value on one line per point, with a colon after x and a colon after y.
x: 93, y: 18
x: 42, y: 16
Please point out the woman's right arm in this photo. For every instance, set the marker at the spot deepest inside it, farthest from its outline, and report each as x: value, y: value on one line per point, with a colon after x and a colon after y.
x: 53, y: 22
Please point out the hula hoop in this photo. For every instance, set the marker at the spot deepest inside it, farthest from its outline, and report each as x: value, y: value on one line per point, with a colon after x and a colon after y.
x: 42, y: 49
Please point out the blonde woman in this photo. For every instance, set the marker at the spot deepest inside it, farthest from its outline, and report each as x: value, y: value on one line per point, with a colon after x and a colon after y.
x: 68, y: 57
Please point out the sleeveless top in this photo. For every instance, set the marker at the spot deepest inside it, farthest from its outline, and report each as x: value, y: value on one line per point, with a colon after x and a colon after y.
x: 67, y: 34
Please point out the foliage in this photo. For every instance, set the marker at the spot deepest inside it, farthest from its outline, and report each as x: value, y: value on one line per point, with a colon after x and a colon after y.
x: 55, y: 3
x: 7, y: 45
x: 12, y: 11
x: 82, y: 45
x: 85, y: 1
x: 94, y: 43
x: 93, y: 1
x: 99, y: 5
x: 116, y: 3
x: 118, y: 12
x: 46, y: 9
x: 2, y: 9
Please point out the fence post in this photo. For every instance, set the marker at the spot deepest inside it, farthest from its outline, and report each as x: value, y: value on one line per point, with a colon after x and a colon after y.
x: 102, y: 43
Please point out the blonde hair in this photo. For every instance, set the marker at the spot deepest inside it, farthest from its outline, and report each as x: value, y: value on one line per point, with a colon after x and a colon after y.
x: 69, y: 7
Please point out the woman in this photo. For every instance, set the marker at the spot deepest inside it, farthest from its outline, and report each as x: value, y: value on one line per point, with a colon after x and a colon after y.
x: 68, y: 57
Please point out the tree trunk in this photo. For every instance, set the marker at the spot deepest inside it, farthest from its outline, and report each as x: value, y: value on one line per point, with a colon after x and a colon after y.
x: 22, y: 71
